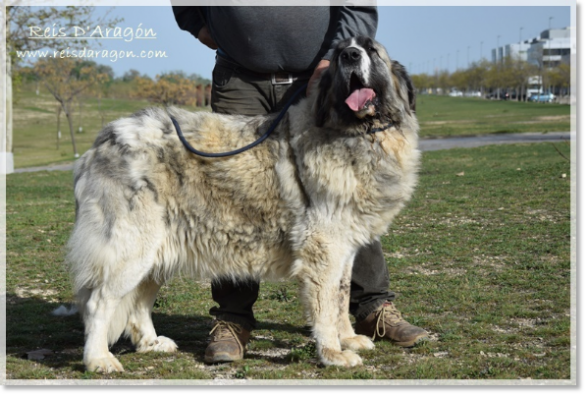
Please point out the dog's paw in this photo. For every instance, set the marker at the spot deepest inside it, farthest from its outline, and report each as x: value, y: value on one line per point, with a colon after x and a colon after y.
x: 357, y: 343
x: 330, y: 357
x: 159, y: 344
x: 106, y: 364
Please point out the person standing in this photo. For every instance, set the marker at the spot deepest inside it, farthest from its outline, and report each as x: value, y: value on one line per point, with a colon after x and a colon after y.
x: 264, y: 55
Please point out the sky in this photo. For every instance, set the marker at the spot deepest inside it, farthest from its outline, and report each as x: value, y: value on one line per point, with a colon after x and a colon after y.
x: 419, y: 37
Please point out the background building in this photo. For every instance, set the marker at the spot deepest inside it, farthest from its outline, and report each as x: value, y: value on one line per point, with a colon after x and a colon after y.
x: 547, y: 50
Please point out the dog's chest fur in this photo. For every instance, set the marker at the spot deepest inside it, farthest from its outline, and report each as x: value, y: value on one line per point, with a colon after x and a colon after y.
x: 361, y: 181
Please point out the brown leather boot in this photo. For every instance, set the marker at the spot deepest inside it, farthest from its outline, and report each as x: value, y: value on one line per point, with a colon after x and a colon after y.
x: 228, y: 342
x: 386, y: 323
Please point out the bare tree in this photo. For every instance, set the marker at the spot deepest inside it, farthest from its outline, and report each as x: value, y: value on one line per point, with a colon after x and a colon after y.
x: 17, y: 32
x: 65, y: 83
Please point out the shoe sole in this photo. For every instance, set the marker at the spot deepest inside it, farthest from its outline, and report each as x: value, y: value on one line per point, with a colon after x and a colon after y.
x: 409, y: 344
x: 221, y: 358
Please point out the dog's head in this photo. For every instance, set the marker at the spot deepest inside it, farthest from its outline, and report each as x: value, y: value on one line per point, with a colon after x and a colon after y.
x: 363, y: 87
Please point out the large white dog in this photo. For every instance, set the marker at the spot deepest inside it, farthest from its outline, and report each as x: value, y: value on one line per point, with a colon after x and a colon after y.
x: 329, y: 180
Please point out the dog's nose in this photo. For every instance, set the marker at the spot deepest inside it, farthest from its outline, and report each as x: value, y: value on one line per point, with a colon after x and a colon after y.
x: 350, y: 55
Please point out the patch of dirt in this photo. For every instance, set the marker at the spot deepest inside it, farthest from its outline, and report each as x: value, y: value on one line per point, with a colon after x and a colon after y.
x: 526, y: 322
x: 394, y: 255
x: 550, y: 259
x: 517, y: 324
x: 553, y: 118
x: 412, y: 357
x: 423, y: 270
x: 500, y: 330
x: 403, y: 253
x: 494, y: 262
x: 274, y: 353
x: 541, y: 120
x: 25, y: 116
x: 457, y: 221
x: 539, y: 214
x: 23, y: 292
x: 494, y: 354
x: 433, y: 337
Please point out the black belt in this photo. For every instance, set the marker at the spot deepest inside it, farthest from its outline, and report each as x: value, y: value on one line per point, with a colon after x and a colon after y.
x: 277, y: 78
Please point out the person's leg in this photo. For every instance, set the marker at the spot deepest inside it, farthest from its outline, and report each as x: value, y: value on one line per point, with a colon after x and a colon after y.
x: 234, y: 319
x: 237, y: 93
x: 235, y: 301
x: 370, y: 303
x: 369, y: 282
x: 232, y: 94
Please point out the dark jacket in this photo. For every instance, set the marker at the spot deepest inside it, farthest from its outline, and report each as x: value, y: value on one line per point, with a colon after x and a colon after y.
x: 270, y: 39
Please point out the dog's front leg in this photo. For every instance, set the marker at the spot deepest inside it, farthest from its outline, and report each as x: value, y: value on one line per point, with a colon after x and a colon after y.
x: 348, y: 338
x: 320, y: 268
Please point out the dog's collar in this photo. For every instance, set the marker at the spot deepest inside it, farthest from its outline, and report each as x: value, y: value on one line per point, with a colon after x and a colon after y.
x: 380, y: 129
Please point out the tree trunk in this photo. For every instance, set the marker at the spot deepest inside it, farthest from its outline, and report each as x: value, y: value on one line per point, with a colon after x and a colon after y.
x: 58, y: 126
x: 67, y: 110
x: 80, y: 128
x: 100, y: 109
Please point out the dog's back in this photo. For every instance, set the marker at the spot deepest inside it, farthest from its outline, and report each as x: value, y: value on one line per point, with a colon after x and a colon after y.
x: 141, y: 196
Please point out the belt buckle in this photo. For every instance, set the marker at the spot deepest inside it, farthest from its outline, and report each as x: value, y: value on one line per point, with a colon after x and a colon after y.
x: 274, y: 80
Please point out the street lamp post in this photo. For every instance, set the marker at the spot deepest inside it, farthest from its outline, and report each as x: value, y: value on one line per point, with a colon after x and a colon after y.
x: 468, y: 48
x: 548, y: 52
x: 497, y: 49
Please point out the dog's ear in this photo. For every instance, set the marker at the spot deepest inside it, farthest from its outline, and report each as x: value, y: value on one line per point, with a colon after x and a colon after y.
x: 322, y: 106
x: 405, y: 87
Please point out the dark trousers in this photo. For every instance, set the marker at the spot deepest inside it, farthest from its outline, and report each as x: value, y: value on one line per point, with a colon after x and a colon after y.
x: 237, y: 91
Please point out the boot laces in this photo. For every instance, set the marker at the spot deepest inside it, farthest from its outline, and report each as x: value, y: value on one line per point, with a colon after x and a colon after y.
x: 226, y: 331
x: 388, y: 314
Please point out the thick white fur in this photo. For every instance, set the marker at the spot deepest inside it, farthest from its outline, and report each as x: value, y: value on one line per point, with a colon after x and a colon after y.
x: 299, y: 205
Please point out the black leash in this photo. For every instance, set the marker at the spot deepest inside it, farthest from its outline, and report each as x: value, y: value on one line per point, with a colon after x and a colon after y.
x: 262, y: 138
x: 248, y: 146
x: 383, y: 128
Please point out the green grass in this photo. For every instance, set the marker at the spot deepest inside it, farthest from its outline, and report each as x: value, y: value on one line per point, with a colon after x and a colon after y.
x: 35, y: 122
x: 442, y: 116
x: 480, y: 259
x: 35, y: 126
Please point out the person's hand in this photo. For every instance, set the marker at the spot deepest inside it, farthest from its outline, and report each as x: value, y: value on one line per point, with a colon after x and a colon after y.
x: 206, y: 38
x: 322, y: 65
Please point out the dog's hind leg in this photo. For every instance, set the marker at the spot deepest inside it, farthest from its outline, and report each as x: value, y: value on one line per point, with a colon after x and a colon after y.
x: 98, y: 312
x: 140, y: 325
x: 348, y: 338
x: 106, y: 313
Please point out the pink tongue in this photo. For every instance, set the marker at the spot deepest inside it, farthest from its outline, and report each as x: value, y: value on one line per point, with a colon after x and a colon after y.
x: 356, y: 101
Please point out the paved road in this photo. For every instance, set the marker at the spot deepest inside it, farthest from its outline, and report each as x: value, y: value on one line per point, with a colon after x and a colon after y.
x: 425, y: 144
x: 476, y: 141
